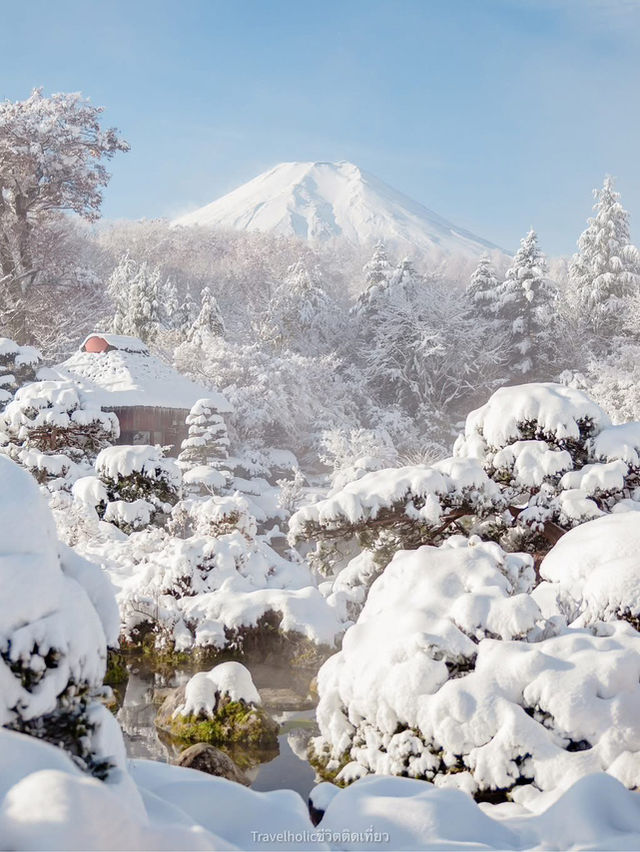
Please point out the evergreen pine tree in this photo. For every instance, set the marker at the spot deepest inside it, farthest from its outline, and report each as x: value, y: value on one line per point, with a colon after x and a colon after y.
x: 118, y: 286
x: 525, y: 305
x: 187, y: 313
x: 170, y: 306
x: 134, y: 289
x: 606, y: 269
x: 377, y: 272
x: 209, y: 322
x: 301, y: 315
x: 482, y: 290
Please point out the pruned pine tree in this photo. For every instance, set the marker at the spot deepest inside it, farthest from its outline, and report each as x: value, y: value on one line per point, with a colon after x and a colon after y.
x: 208, y: 441
x: 525, y: 308
x: 605, y: 272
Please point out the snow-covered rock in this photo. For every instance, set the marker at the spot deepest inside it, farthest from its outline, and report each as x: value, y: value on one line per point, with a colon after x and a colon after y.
x: 204, y: 689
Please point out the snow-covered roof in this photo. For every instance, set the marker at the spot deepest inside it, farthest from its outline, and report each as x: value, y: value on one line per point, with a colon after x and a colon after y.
x: 128, y: 375
x: 117, y: 341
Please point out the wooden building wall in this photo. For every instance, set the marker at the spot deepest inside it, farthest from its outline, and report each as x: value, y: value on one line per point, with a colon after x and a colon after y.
x: 151, y: 425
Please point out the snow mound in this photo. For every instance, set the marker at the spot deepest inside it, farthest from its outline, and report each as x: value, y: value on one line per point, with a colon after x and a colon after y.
x: 46, y: 803
x: 321, y: 201
x: 593, y: 573
x: 401, y: 813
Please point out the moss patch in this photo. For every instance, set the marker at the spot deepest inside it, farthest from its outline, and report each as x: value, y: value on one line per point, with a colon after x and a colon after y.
x: 234, y: 722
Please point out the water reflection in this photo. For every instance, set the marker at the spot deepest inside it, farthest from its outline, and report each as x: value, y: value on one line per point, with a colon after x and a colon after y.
x: 285, y: 695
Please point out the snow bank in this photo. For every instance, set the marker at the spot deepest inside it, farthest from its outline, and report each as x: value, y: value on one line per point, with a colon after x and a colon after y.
x: 46, y: 803
x: 400, y: 813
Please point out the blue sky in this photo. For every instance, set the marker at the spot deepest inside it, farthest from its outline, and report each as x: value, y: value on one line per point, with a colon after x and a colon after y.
x: 498, y: 114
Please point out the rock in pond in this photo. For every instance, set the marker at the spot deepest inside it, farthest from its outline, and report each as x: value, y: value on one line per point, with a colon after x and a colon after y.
x: 220, y: 707
x: 208, y: 758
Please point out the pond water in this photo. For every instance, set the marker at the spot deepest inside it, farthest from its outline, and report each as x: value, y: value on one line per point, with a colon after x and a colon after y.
x: 285, y: 696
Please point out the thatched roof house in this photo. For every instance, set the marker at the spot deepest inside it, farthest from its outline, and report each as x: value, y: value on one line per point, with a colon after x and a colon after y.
x: 150, y: 398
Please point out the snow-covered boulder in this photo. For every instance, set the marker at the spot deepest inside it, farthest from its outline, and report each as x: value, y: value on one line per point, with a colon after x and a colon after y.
x: 221, y: 706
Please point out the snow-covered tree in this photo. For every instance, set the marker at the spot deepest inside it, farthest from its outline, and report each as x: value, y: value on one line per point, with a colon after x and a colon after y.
x: 539, y: 468
x: 377, y: 272
x: 205, y: 451
x: 57, y: 615
x: 18, y: 366
x: 54, y: 432
x: 209, y: 322
x: 52, y: 152
x: 169, y: 305
x: 136, y: 483
x: 606, y: 270
x: 525, y: 307
x: 301, y: 316
x: 135, y: 292
x: 187, y: 313
x: 482, y: 289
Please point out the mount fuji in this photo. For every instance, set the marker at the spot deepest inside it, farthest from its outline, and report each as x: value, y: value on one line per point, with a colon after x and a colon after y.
x: 324, y: 201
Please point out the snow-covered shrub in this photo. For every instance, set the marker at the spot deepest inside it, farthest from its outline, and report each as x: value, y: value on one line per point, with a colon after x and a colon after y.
x: 139, y: 483
x: 18, y: 365
x: 392, y: 509
x: 206, y: 580
x: 450, y: 674
x: 56, y: 617
x: 556, y: 457
x: 53, y: 432
x: 592, y: 572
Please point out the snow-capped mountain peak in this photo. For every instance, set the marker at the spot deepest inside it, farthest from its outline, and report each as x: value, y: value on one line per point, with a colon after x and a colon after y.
x: 321, y: 201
